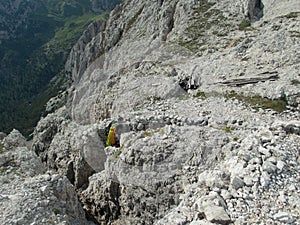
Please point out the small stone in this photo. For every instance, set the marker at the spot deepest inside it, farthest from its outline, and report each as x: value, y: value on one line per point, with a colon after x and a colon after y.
x: 140, y: 126
x: 272, y: 160
x: 255, y: 161
x: 269, y: 167
x: 225, y: 194
x: 264, y: 151
x: 282, y: 197
x: 265, y: 135
x: 248, y: 180
x: 237, y: 183
x: 280, y: 165
x: 265, y: 179
x: 216, y: 189
x: 216, y: 214
x: 283, y: 217
x: 292, y: 187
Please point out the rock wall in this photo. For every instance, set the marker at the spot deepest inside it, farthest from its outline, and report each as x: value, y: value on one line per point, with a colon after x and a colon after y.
x: 29, y: 195
x: 205, y: 107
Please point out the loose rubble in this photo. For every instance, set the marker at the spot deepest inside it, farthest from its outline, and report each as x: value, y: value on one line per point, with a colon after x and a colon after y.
x: 189, y: 146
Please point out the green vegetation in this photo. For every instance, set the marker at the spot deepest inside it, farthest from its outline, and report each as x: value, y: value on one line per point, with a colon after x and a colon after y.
x: 295, y: 82
x: 200, y: 94
x: 30, y: 61
x: 292, y: 15
x: 205, y: 18
x: 151, y: 133
x: 1, y: 148
x: 56, y: 211
x: 244, y: 25
x: 223, y: 156
x: 66, y: 36
x: 161, y: 132
x: 226, y: 129
x: 278, y: 105
x: 153, y: 99
x: 117, y: 153
x: 235, y: 139
x: 5, y: 181
x: 295, y: 34
x: 147, y: 134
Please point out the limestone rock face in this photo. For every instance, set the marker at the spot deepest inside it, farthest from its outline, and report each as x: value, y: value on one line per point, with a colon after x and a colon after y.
x: 28, y: 194
x: 204, y: 96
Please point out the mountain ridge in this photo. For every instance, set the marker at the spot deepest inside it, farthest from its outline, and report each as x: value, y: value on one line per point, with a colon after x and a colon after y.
x: 202, y: 100
x: 36, y: 37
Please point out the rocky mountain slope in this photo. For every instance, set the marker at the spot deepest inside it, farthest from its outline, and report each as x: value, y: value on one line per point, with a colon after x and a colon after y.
x: 179, y: 112
x: 35, y: 40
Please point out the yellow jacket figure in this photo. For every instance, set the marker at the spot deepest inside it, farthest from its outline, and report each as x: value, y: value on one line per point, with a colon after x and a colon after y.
x: 111, y: 138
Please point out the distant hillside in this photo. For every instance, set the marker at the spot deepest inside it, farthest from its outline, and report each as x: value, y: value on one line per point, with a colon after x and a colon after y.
x: 35, y: 39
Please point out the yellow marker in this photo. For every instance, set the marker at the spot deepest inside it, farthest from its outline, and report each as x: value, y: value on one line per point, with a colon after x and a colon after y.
x: 111, y: 139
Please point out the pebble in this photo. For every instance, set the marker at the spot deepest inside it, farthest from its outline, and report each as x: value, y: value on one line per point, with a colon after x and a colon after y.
x: 280, y: 165
x: 269, y: 167
x: 283, y: 217
x: 237, y: 183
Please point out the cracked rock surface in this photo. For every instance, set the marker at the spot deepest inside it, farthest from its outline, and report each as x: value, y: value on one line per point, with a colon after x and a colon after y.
x: 203, y: 98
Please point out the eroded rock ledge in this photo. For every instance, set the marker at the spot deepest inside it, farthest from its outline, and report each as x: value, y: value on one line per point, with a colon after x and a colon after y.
x: 169, y: 76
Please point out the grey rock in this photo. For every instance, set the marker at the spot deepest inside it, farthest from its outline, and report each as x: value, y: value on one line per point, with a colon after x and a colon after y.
x: 177, y: 162
x: 248, y: 181
x: 264, y: 151
x: 280, y: 165
x: 237, y: 183
x: 283, y: 217
x: 265, y: 135
x: 30, y: 197
x: 265, y: 179
x: 269, y: 167
x: 13, y: 140
x: 216, y: 214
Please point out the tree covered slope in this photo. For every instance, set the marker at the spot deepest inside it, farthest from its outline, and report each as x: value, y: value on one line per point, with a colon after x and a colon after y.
x: 35, y: 39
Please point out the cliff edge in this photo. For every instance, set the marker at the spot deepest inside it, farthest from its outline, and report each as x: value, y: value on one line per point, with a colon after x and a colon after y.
x: 182, y: 112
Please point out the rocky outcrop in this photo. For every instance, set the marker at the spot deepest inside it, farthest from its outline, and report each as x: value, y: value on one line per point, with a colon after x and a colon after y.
x: 205, y: 110
x: 28, y: 194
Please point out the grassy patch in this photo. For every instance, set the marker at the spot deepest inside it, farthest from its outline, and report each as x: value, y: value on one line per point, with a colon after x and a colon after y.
x: 205, y: 18
x: 147, y: 134
x: 295, y: 34
x: 160, y: 131
x: 223, y: 156
x: 66, y: 36
x: 1, y: 148
x: 184, y: 97
x: 278, y: 105
x: 291, y: 15
x: 295, y: 82
x: 153, y: 99
x: 244, y: 25
x: 236, y: 139
x: 117, y: 153
x: 226, y: 129
x: 56, y: 211
x: 5, y: 181
x: 200, y: 94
